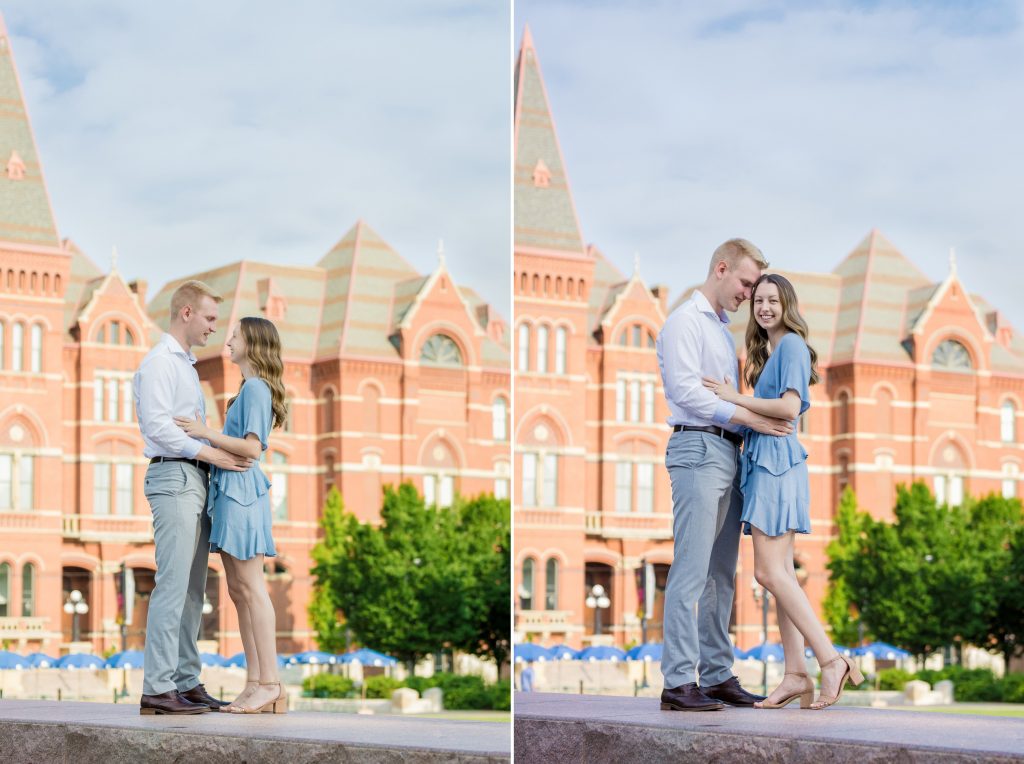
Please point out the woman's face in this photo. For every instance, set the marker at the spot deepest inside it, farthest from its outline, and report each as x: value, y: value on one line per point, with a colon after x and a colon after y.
x: 768, y: 306
x: 236, y: 345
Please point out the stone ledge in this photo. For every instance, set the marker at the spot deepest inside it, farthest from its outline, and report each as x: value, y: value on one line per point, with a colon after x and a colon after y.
x: 104, y: 733
x: 600, y: 728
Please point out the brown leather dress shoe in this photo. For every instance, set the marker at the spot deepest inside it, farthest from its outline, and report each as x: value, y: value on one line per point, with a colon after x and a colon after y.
x: 198, y: 694
x: 170, y: 702
x: 687, y: 697
x: 731, y: 693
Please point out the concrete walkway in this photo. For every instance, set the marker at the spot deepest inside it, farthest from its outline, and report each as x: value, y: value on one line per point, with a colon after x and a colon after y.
x: 599, y: 728
x: 40, y: 731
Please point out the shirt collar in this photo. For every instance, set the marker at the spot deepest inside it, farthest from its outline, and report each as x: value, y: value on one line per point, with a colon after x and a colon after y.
x: 704, y: 306
x: 175, y: 347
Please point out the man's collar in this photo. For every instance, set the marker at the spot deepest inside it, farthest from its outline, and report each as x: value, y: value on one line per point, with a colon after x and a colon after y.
x: 175, y: 347
x: 704, y: 305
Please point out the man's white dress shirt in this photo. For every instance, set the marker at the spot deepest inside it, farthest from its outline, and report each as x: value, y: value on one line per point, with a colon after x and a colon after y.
x: 695, y: 342
x: 165, y: 386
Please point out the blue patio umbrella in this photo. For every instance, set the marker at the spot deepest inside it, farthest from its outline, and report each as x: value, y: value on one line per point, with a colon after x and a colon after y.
x: 213, y: 660
x: 312, y: 657
x: 770, y: 652
x: 367, y: 657
x: 238, y: 661
x: 528, y: 651
x: 650, y: 651
x: 9, y: 660
x: 808, y: 652
x: 882, y: 650
x: 562, y: 653
x: 80, y: 661
x: 738, y: 654
x: 129, y: 659
x: 601, y: 653
x: 40, y: 660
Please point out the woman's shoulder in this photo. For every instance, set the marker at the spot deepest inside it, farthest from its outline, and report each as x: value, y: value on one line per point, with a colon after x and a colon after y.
x: 793, y: 343
x: 256, y: 386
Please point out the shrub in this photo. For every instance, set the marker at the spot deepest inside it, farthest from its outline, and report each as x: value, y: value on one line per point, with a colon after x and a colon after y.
x: 328, y: 686
x: 501, y: 695
x: 977, y: 685
x: 1013, y: 688
x: 893, y: 679
x: 381, y: 686
x: 420, y: 683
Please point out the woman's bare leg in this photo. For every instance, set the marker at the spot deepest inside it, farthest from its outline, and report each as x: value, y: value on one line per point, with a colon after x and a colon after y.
x: 252, y: 667
x: 262, y: 620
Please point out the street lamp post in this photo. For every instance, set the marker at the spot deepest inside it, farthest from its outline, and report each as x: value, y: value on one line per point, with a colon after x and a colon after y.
x: 598, y: 600
x: 761, y: 597
x: 75, y: 606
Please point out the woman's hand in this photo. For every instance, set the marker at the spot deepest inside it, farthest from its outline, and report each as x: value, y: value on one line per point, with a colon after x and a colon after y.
x: 193, y: 427
x: 722, y: 389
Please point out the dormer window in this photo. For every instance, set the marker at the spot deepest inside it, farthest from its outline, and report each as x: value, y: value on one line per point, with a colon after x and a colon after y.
x: 441, y: 350
x: 953, y: 356
x: 541, y: 175
x: 15, y: 167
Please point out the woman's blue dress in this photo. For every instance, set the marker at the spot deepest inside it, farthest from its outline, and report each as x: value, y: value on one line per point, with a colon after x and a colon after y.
x: 776, y: 497
x: 239, y: 502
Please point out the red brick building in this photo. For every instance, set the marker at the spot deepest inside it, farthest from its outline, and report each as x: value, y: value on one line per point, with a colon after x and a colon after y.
x: 921, y: 381
x: 392, y: 375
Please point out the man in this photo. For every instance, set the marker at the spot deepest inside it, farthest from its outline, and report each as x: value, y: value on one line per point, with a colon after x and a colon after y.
x: 166, y: 385
x: 702, y: 459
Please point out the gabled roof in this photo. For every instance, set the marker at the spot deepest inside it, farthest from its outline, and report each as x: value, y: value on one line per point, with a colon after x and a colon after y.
x: 85, y: 274
x: 25, y: 213
x: 545, y: 216
x: 607, y: 278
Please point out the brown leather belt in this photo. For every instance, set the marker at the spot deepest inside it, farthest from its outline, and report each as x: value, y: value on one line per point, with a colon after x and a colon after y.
x: 200, y: 465
x: 732, y: 437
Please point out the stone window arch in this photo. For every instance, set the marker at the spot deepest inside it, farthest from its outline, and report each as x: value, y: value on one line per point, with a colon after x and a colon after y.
x: 441, y: 350
x: 951, y: 355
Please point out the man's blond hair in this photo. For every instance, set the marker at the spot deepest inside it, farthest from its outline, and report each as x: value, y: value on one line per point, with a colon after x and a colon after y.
x: 733, y: 251
x: 190, y: 293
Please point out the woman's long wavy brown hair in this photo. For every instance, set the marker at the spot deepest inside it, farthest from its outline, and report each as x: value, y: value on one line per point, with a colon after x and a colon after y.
x: 757, y: 337
x: 263, y: 351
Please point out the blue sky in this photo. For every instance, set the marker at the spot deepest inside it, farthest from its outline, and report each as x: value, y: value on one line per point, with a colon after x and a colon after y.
x: 798, y: 125
x: 194, y: 134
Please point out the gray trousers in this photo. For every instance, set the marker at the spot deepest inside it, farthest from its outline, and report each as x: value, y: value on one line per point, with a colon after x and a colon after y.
x: 176, y: 492
x: 706, y: 508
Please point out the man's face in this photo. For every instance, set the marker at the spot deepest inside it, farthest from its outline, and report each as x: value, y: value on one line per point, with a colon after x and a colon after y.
x: 735, y: 284
x: 201, y: 321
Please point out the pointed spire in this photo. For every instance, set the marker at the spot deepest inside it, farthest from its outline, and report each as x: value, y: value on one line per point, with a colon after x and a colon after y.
x: 545, y: 216
x: 25, y: 213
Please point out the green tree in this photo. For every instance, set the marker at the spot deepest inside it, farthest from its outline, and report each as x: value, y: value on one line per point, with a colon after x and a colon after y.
x: 323, y: 609
x: 840, y: 609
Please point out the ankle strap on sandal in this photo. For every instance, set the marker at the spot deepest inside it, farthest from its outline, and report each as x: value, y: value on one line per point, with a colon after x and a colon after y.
x: 796, y: 673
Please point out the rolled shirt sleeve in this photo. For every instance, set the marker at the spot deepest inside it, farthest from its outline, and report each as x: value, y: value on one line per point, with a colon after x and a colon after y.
x: 154, y: 404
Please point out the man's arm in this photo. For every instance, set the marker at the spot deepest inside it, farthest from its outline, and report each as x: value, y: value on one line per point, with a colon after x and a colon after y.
x: 155, y: 396
x: 223, y: 459
x: 765, y: 425
x: 681, y: 344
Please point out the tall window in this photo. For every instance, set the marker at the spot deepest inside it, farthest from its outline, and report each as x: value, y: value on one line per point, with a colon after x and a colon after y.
x: 127, y: 403
x: 113, y: 397
x: 1008, y: 422
x: 501, y: 488
x: 278, y: 485
x: 620, y: 400
x: 551, y: 584
x: 542, y: 349
x: 549, y: 492
x: 115, y: 332
x: 329, y: 410
x: 529, y: 492
x: 526, y: 589
x: 26, y: 482
x: 649, y: 402
x: 124, y: 483
x: 101, y: 488
x: 524, y: 347
x: 624, y: 487
x: 3, y: 337
x: 843, y: 414
x: 36, y: 360
x: 499, y: 419
x: 634, y: 400
x: 560, y: 350
x: 540, y: 480
x: 1009, y: 482
x: 28, y: 590
x: 645, y: 487
x: 6, y: 481
x: 949, y: 489
x: 97, y: 399
x: 5, y: 589
x: 18, y: 347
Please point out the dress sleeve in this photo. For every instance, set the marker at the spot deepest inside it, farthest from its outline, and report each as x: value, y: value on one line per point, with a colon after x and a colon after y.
x: 795, y: 369
x: 256, y: 410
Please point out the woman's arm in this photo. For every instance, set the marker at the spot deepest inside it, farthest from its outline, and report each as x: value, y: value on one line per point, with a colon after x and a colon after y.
x: 787, y: 407
x: 249, y: 446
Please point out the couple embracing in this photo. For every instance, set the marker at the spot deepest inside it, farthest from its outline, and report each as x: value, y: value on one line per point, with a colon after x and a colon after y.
x: 207, y: 494
x: 719, y: 490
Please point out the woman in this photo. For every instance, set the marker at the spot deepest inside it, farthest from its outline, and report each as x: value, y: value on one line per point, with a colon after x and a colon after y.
x: 239, y: 506
x: 780, y: 366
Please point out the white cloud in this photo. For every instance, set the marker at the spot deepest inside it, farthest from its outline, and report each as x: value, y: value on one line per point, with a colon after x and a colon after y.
x: 195, y: 134
x: 800, y: 126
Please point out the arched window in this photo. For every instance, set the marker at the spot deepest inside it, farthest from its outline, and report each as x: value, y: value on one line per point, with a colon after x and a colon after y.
x: 951, y: 355
x: 551, y: 584
x: 28, y: 590
x: 524, y: 347
x: 560, y: 350
x: 5, y: 590
x: 637, y: 331
x: 499, y: 419
x: 129, y: 338
x: 441, y: 350
x: 115, y: 332
x: 542, y: 349
x: 329, y: 410
x: 18, y: 347
x: 36, y: 356
x: 1008, y: 422
x: 526, y: 588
